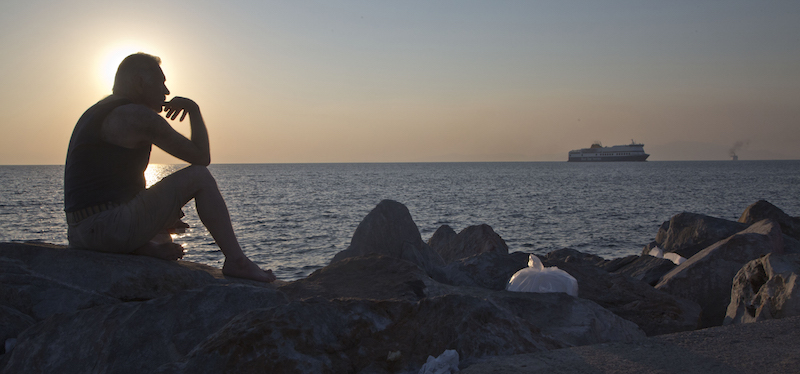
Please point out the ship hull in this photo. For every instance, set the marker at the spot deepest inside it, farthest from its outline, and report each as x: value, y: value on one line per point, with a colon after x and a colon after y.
x: 608, y: 158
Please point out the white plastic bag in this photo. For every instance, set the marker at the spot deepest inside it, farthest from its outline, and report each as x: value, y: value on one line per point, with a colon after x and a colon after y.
x: 674, y: 257
x: 537, y: 278
x: 447, y: 363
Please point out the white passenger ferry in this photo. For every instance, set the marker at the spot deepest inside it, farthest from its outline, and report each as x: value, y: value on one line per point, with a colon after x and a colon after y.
x: 598, y: 153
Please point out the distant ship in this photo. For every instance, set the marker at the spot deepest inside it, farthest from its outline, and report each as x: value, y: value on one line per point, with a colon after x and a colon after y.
x: 598, y: 153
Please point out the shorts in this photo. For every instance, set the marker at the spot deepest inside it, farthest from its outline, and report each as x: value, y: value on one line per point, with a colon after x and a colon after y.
x: 132, y: 224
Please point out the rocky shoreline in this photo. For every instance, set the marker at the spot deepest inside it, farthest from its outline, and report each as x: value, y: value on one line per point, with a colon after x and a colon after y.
x: 391, y: 300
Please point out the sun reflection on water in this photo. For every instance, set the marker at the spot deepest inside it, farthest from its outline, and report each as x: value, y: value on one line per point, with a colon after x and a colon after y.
x: 156, y: 172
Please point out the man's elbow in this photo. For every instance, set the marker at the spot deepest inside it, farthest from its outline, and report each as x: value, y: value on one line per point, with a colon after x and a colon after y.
x: 201, y: 161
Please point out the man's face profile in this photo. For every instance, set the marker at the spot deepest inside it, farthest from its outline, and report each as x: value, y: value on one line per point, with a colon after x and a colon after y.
x: 153, y: 89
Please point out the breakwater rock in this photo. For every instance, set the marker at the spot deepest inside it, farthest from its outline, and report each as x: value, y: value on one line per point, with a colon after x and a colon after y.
x: 384, y: 305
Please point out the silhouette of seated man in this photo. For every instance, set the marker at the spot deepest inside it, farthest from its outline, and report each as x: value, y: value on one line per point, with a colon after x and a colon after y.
x: 107, y: 205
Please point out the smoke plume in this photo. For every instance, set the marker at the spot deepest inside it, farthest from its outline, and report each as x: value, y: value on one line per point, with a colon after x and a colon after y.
x: 737, y: 147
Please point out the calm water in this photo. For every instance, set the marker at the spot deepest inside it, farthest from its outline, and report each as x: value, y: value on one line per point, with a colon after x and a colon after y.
x: 294, y: 217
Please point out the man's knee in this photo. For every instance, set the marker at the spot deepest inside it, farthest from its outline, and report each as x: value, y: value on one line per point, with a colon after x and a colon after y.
x: 189, y: 181
x: 196, y: 175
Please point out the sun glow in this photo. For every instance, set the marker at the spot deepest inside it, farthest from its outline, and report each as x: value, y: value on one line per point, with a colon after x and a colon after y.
x: 108, y: 61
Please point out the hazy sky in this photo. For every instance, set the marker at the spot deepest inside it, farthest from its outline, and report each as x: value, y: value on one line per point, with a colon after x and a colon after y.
x: 386, y: 81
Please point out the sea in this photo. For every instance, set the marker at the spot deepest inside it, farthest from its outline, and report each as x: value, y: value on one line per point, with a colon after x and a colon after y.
x: 293, y: 218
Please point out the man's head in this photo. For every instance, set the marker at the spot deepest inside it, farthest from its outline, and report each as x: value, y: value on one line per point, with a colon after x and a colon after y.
x: 140, y: 79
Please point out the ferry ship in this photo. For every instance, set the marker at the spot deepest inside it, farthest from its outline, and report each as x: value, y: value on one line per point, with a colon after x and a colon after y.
x: 598, y: 153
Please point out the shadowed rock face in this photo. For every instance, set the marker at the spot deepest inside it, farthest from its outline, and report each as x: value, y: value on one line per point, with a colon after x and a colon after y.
x: 133, y: 337
x: 762, y: 210
x: 346, y: 335
x: 707, y: 277
x: 766, y: 288
x: 645, y: 268
x: 133, y: 314
x: 654, y: 311
x: 384, y: 305
x: 689, y: 233
x: 471, y: 241
x: 389, y: 230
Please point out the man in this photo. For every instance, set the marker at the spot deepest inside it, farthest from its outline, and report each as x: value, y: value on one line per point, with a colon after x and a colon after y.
x: 108, y: 208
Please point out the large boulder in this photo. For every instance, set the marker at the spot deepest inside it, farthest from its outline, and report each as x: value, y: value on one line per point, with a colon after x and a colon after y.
x: 356, y: 335
x: 706, y: 278
x: 762, y: 209
x: 645, y: 268
x: 471, y: 241
x: 43, y: 279
x: 766, y: 288
x: 389, y: 230
x: 574, y: 256
x: 655, y: 312
x: 441, y: 238
x: 689, y: 233
x: 133, y: 337
x: 40, y: 296
x: 490, y: 270
x: 373, y: 277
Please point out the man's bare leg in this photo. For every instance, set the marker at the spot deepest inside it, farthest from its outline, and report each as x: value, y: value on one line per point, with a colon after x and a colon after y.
x: 161, y: 246
x: 200, y: 185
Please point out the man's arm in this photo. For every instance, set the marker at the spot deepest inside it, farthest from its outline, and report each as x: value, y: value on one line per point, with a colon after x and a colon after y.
x: 133, y: 126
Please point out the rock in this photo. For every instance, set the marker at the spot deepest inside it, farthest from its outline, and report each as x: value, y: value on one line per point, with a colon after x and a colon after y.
x: 762, y: 209
x: 765, y: 288
x: 40, y: 295
x: 441, y: 238
x: 133, y: 337
x: 12, y: 322
x: 122, y: 277
x: 618, y: 263
x: 688, y: 233
x: 645, y: 268
x: 707, y: 277
x: 574, y: 256
x: 490, y: 270
x: 791, y: 245
x: 354, y: 335
x: 389, y: 230
x: 653, y: 311
x: 471, y: 241
x: 374, y: 277
x: 768, y: 347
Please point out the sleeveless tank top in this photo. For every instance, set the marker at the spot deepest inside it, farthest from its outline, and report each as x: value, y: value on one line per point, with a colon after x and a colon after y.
x: 99, y: 172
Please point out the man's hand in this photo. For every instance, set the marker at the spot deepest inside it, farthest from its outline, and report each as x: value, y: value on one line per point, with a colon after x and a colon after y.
x: 180, y: 104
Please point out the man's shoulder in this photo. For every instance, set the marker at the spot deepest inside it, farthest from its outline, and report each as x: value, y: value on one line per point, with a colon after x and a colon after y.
x: 130, y: 125
x: 131, y: 111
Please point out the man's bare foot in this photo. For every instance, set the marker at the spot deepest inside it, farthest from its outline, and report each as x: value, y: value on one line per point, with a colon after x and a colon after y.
x: 165, y: 251
x: 244, y: 268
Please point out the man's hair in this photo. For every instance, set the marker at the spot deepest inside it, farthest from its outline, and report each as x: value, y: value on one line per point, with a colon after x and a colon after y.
x: 137, y: 64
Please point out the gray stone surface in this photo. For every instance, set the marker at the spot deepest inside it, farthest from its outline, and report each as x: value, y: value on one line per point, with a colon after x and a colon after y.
x: 762, y: 209
x: 389, y: 230
x: 490, y: 270
x: 689, y: 233
x: 768, y: 347
x: 766, y: 288
x: 707, y: 277
x: 133, y: 337
x: 646, y: 268
x: 471, y: 241
x: 654, y: 311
